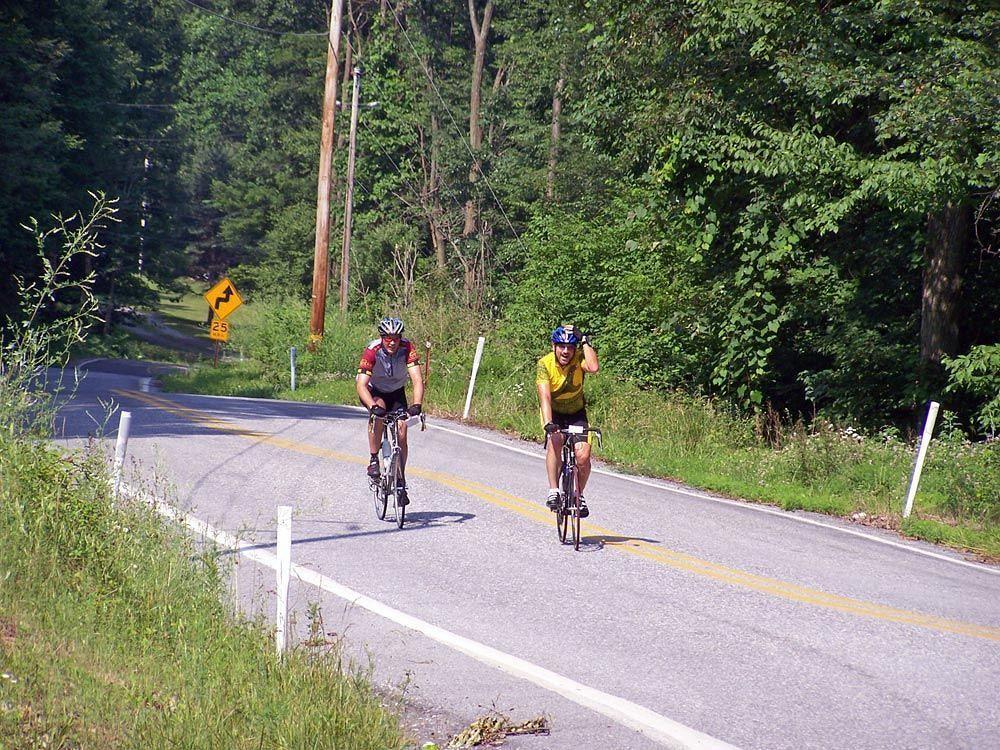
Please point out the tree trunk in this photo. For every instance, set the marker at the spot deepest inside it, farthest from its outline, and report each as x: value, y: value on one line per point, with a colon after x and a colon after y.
x: 497, y: 83
x: 550, y: 181
x: 110, y: 314
x: 437, y: 213
x: 481, y: 33
x: 947, y: 238
x: 430, y: 194
x: 345, y: 85
x: 437, y: 220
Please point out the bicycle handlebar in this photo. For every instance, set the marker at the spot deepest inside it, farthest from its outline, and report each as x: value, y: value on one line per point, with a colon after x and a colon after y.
x: 574, y: 429
x: 400, y: 415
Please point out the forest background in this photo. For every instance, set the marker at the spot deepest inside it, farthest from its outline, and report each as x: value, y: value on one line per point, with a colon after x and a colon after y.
x: 787, y: 207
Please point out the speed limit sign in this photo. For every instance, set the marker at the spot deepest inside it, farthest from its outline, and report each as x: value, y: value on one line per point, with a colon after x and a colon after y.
x: 219, y: 330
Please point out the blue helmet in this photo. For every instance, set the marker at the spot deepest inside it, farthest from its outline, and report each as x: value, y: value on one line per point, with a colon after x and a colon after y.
x: 565, y: 335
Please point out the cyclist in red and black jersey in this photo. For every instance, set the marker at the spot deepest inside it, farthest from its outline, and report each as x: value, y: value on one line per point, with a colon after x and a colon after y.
x: 386, y: 364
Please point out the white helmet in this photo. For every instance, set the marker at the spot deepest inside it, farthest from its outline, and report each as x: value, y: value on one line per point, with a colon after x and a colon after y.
x: 390, y: 327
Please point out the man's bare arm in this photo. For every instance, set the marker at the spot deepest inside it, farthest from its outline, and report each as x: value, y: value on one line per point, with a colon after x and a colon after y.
x: 545, y: 401
x: 361, y: 384
x: 417, y: 378
x: 590, y: 363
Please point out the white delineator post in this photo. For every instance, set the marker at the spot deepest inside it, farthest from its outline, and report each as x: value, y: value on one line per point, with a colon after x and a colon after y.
x: 925, y: 440
x: 121, y: 445
x: 284, y: 571
x: 472, y: 380
x: 291, y: 357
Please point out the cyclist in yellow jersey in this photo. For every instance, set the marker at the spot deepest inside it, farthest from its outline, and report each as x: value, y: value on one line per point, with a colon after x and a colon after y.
x: 559, y: 381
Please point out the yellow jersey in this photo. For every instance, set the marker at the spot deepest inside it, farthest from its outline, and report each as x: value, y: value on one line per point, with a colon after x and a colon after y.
x: 566, y: 382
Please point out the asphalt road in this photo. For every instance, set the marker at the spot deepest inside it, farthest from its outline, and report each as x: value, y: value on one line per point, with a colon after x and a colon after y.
x: 684, y: 620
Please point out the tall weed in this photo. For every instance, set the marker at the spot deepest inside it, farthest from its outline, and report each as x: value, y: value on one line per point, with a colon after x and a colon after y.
x: 967, y: 478
x: 56, y: 309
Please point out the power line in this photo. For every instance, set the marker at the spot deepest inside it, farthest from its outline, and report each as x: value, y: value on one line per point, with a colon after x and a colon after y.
x: 364, y: 124
x: 251, y: 26
x: 140, y: 105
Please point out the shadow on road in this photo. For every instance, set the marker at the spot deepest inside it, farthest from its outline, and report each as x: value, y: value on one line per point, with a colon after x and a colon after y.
x: 423, y: 519
x: 414, y: 521
x: 599, y: 541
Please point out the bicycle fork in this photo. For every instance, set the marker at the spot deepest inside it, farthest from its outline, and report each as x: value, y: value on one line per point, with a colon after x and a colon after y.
x: 569, y: 485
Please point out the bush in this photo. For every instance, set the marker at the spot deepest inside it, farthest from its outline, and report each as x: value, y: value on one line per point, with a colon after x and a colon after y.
x: 978, y: 373
x: 609, y: 277
x: 967, y: 475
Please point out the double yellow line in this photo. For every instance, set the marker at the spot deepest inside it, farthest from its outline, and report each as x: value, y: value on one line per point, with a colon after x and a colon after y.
x: 637, y: 547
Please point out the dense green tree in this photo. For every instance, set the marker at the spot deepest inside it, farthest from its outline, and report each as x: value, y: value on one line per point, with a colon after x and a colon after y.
x: 87, y: 92
x: 819, y: 146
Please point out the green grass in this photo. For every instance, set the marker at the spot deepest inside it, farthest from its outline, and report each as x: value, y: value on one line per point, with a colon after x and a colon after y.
x: 113, y: 633
x: 673, y: 436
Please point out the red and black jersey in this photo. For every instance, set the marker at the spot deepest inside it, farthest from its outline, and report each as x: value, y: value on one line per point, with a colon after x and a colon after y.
x: 388, y: 373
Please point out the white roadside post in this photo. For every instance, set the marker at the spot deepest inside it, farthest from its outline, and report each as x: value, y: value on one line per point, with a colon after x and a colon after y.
x: 236, y: 577
x: 121, y: 445
x: 472, y: 380
x: 291, y: 356
x: 284, y: 571
x: 918, y: 466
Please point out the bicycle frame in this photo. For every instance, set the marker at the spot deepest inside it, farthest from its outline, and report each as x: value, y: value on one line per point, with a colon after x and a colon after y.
x: 568, y: 514
x: 385, y: 488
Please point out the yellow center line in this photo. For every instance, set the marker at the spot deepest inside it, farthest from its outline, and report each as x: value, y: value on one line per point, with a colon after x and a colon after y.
x: 637, y: 547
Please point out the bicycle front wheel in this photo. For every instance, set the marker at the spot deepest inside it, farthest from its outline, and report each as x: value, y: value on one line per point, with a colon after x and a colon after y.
x: 565, y: 496
x: 574, y: 512
x: 381, y: 497
x: 561, y: 522
x: 396, y: 477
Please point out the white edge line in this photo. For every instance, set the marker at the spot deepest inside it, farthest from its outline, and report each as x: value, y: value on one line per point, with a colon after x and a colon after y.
x: 670, y: 733
x: 746, y: 505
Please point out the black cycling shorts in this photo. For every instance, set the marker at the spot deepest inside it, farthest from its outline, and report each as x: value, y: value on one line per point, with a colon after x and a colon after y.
x: 578, y: 418
x: 393, y: 399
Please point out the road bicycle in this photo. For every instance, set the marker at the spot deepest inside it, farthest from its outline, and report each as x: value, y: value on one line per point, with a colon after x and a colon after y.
x: 568, y: 512
x: 390, y: 468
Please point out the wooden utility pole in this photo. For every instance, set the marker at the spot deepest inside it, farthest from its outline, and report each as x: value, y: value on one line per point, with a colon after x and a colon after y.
x: 345, y: 252
x: 321, y: 253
